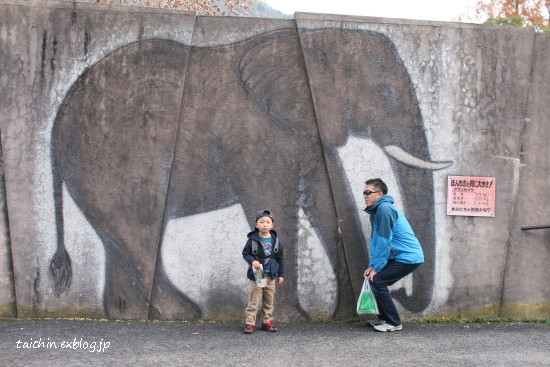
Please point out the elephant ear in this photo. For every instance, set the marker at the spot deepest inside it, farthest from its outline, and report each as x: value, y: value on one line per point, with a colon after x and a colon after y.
x: 274, y: 76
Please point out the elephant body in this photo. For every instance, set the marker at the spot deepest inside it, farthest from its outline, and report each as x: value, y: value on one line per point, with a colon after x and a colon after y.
x: 159, y: 130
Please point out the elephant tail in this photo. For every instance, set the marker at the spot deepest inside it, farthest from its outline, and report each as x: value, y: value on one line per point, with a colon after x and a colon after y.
x: 61, y: 271
x: 60, y: 265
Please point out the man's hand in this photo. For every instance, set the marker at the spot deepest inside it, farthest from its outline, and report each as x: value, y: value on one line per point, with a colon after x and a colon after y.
x: 280, y: 280
x: 256, y: 264
x: 370, y: 273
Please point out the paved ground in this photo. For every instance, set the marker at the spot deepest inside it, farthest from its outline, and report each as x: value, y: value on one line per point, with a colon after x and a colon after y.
x: 33, y: 343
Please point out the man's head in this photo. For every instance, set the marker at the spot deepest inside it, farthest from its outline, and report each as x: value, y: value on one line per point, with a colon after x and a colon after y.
x: 375, y: 188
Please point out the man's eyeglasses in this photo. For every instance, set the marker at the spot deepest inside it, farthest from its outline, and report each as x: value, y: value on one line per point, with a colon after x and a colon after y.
x: 368, y: 192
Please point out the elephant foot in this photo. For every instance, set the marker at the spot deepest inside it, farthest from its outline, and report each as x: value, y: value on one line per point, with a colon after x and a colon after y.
x: 286, y: 312
x: 125, y: 297
x: 120, y: 307
x: 170, y: 310
x: 167, y: 303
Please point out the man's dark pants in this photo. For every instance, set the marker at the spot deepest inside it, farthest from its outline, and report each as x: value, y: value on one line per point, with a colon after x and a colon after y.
x: 393, y: 272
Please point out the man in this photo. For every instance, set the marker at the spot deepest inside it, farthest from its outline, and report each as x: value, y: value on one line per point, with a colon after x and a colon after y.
x: 395, y: 251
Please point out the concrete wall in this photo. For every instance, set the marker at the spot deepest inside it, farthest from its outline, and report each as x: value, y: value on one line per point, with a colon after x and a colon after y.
x: 525, y: 289
x: 139, y: 143
x: 7, y: 290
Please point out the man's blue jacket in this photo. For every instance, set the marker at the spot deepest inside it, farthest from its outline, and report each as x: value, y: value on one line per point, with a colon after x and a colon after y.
x: 392, y: 236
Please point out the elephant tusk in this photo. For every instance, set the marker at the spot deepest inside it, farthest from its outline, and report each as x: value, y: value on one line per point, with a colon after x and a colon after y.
x: 406, y: 158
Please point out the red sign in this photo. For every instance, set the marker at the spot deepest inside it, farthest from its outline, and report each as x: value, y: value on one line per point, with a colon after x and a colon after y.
x: 471, y: 196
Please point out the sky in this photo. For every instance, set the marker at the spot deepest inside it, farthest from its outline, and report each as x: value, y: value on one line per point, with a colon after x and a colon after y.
x: 442, y: 10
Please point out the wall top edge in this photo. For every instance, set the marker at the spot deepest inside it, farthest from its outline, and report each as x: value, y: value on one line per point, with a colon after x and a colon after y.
x: 298, y: 16
x: 307, y: 16
x: 543, y: 35
x: 80, y: 5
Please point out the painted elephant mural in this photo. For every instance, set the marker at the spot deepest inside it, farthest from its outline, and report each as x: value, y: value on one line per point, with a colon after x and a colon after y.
x: 377, y: 101
x: 159, y: 130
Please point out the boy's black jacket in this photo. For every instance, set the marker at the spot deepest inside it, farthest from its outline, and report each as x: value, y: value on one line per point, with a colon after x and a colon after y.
x: 277, y: 264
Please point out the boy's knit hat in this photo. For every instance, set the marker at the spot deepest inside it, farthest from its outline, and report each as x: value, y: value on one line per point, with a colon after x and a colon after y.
x: 264, y: 213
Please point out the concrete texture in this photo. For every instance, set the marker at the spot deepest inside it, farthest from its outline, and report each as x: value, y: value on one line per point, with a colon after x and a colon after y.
x: 192, y: 344
x: 362, y: 89
x: 59, y: 34
x: 7, y: 290
x: 525, y: 290
x: 257, y: 146
x: 138, y: 144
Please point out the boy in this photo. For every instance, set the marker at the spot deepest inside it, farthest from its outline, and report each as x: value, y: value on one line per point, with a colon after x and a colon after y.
x: 263, y: 248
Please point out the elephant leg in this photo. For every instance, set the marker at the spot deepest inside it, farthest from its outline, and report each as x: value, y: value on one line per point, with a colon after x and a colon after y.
x: 168, y: 303
x: 112, y: 145
x: 125, y: 296
x: 319, y: 208
x: 285, y: 209
x: 352, y: 234
x: 422, y: 220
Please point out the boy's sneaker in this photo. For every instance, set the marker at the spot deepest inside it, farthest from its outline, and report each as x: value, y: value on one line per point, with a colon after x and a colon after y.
x: 388, y: 327
x: 374, y: 323
x: 249, y: 329
x: 268, y: 326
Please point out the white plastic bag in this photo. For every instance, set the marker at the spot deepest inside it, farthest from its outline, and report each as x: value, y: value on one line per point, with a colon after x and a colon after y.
x: 261, y: 280
x: 366, y: 304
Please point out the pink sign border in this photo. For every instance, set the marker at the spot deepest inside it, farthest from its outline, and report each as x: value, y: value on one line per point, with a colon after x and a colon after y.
x: 472, y: 185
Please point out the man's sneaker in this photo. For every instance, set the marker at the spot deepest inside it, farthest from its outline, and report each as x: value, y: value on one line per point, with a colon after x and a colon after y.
x: 388, y: 327
x: 249, y: 329
x: 268, y: 326
x: 374, y: 323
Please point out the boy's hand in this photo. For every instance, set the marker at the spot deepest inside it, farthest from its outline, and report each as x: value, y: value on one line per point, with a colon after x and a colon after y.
x: 256, y: 264
x: 280, y: 280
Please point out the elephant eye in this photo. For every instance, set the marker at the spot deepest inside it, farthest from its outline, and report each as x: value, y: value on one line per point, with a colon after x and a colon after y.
x: 323, y: 56
x: 387, y: 92
x: 391, y: 98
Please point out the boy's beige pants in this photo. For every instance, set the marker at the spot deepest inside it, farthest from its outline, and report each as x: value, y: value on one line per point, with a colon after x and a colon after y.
x: 256, y: 293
